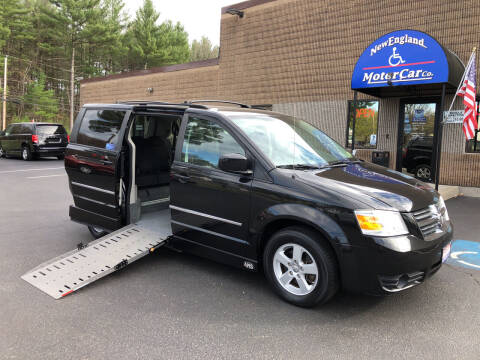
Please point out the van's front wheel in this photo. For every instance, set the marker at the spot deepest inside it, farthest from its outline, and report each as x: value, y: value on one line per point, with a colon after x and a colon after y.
x: 301, y: 268
x: 97, y: 232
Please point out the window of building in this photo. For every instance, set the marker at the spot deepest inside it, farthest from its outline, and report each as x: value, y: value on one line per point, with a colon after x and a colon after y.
x: 473, y: 145
x: 366, y: 124
x: 100, y: 128
x: 205, y: 141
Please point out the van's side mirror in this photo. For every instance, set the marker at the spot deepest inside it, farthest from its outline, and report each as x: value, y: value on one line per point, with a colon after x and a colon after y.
x: 235, y: 163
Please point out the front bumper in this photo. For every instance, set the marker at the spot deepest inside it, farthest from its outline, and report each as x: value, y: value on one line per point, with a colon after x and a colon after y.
x: 387, y: 265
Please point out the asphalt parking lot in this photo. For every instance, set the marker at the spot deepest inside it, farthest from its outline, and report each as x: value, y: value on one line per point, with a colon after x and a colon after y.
x: 172, y: 305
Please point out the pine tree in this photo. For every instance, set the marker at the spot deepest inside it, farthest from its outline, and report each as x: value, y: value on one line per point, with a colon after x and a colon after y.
x: 155, y: 45
x: 40, y: 103
x: 71, y: 25
x: 15, y: 25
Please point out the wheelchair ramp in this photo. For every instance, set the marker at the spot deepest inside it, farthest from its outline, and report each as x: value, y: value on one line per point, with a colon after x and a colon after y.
x: 69, y: 272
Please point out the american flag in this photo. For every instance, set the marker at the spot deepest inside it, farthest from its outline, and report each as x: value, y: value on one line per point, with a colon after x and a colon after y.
x: 468, y: 91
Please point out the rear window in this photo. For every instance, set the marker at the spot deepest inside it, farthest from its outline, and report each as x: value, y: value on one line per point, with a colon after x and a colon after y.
x: 50, y: 130
x: 100, y: 128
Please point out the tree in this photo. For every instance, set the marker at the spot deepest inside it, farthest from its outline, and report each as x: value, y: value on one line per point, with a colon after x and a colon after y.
x: 111, y: 56
x: 15, y: 25
x: 155, y: 45
x: 40, y: 103
x: 203, y: 50
x: 72, y: 24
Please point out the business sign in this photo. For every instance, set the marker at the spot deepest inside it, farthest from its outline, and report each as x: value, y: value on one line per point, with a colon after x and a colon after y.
x: 453, y: 116
x: 404, y: 57
x: 419, y: 116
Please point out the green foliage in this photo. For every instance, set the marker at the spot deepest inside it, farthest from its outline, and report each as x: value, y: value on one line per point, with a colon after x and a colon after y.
x: 203, y: 50
x: 40, y: 103
x: 155, y: 45
x: 15, y: 24
x: 45, y: 37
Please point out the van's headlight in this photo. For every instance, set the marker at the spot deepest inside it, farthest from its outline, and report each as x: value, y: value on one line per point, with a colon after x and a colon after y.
x: 442, y: 209
x: 381, y: 222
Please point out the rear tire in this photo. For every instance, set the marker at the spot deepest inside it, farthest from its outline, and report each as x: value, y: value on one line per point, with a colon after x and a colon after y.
x: 97, y: 232
x: 2, y: 152
x: 291, y: 258
x: 26, y: 153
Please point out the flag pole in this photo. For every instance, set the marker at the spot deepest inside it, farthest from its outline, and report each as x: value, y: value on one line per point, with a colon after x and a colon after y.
x: 439, y: 131
x: 439, y: 139
x: 467, y: 69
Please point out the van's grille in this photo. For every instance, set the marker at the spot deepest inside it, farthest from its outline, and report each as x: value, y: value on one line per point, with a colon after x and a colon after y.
x: 428, y: 220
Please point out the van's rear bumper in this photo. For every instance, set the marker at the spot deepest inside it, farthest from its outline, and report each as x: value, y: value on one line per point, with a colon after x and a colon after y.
x: 377, y: 269
x: 49, y: 151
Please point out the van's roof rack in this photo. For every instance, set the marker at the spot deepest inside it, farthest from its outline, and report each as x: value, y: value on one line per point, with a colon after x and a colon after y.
x: 149, y: 102
x: 218, y: 101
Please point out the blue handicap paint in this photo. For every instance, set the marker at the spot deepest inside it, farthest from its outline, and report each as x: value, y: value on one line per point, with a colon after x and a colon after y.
x: 466, y: 254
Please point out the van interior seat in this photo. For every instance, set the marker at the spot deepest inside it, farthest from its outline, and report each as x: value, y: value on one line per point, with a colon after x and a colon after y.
x: 153, y: 153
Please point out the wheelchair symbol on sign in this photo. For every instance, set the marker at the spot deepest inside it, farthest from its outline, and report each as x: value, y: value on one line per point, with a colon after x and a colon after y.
x: 395, y: 59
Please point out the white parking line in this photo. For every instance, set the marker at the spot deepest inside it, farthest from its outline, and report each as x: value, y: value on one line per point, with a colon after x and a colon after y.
x: 45, y: 176
x: 13, y: 171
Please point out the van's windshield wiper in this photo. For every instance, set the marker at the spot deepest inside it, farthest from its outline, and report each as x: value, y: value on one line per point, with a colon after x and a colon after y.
x: 299, y: 166
x: 344, y: 162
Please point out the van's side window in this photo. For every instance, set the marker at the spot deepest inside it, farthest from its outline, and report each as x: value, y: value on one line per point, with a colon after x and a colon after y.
x: 99, y: 128
x: 205, y: 141
x: 16, y: 129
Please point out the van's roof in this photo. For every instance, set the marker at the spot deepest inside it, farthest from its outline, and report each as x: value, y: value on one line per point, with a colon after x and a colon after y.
x: 37, y: 123
x: 210, y: 105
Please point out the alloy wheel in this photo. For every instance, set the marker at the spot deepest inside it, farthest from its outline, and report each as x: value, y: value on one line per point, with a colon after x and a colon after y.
x: 295, y: 269
x: 423, y: 173
x: 25, y: 154
x: 2, y: 153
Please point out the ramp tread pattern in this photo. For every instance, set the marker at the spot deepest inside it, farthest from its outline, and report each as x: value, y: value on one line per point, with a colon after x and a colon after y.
x: 71, y: 271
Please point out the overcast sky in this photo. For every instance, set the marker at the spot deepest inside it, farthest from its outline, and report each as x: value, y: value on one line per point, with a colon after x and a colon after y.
x: 198, y: 17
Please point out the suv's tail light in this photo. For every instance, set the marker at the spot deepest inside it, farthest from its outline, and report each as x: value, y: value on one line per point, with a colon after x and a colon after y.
x: 68, y: 138
x: 35, y: 139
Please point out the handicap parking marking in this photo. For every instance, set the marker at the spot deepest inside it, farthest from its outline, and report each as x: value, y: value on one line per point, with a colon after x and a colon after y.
x: 466, y: 254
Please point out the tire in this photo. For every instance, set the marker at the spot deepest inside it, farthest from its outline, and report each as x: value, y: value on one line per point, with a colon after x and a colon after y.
x: 423, y: 172
x: 2, y: 152
x: 97, y: 232
x: 61, y: 157
x: 26, y: 153
x: 311, y: 290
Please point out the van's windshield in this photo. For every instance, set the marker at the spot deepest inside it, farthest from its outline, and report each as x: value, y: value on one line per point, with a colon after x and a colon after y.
x: 289, y: 142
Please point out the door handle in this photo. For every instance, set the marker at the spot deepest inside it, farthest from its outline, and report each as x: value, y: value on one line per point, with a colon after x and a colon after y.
x: 106, y: 162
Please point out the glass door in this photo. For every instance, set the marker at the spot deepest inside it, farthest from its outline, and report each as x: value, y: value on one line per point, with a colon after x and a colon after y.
x: 415, y: 150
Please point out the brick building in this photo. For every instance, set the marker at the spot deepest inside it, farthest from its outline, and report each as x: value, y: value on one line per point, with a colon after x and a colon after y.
x: 297, y: 56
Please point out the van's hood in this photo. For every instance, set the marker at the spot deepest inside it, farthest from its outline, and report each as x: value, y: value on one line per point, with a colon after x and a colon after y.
x: 374, y: 185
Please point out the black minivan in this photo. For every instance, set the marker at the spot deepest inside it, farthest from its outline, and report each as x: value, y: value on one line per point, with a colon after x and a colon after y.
x: 256, y: 189
x: 32, y: 140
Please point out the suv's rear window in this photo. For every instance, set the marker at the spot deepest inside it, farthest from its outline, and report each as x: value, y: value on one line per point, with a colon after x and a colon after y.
x: 99, y: 128
x: 50, y: 130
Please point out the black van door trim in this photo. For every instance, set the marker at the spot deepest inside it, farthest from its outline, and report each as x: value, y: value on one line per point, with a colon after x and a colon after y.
x: 93, y: 188
x: 205, y: 215
x: 210, y: 232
